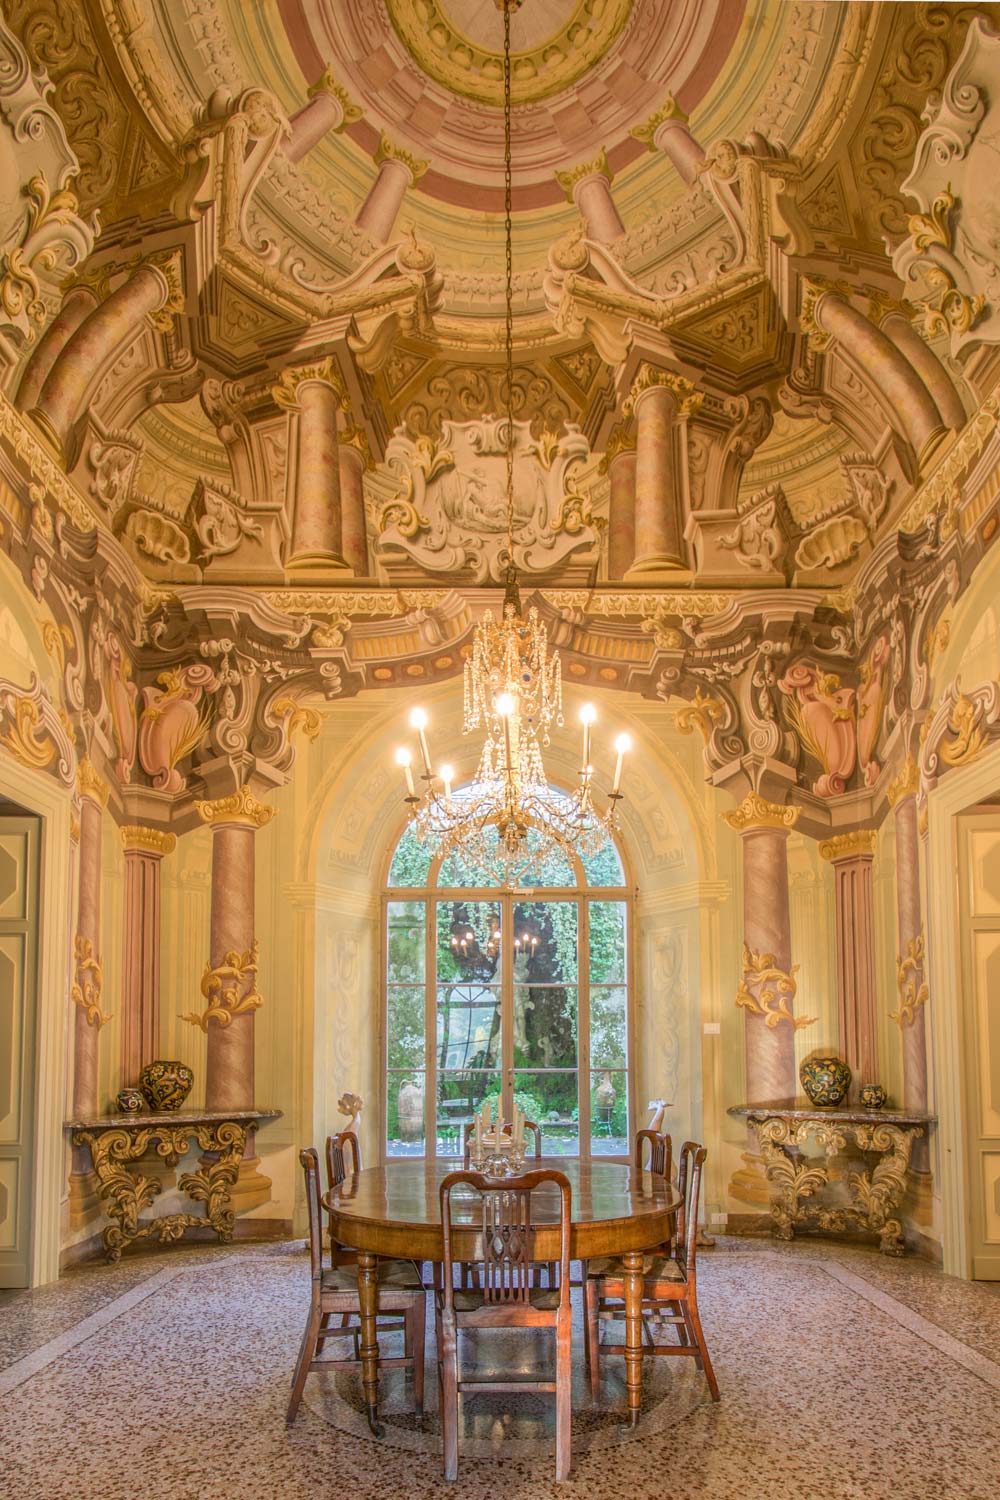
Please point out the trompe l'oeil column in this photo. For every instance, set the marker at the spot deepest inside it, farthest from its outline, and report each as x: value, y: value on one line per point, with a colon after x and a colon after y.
x: 144, y: 850
x: 229, y: 984
x: 851, y: 855
x: 911, y: 957
x: 662, y: 403
x: 398, y: 170
x: 767, y: 989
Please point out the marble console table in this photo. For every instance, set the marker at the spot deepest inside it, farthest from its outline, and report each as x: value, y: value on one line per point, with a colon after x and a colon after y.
x: 875, y: 1194
x: 117, y: 1141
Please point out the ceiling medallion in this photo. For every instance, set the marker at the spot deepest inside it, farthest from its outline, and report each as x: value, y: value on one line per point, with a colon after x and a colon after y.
x: 513, y: 695
x: 456, y: 51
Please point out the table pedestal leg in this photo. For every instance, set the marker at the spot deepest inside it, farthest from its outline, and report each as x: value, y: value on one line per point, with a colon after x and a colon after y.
x: 368, y: 1299
x: 633, y: 1333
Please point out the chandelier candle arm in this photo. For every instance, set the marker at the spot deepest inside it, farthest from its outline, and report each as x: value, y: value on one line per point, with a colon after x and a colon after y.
x: 623, y: 745
x: 418, y: 721
x: 588, y: 715
x: 403, y: 759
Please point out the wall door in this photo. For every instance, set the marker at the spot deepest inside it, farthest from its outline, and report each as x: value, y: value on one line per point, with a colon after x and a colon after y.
x: 18, y: 949
x: 979, y: 841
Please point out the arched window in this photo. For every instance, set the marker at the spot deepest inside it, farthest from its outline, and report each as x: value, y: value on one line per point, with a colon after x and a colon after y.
x: 509, y: 992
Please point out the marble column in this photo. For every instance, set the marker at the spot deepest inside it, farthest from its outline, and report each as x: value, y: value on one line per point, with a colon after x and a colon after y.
x: 911, y: 957
x: 328, y: 109
x: 397, y: 171
x: 661, y: 403
x: 352, y: 454
x: 78, y: 303
x: 149, y: 289
x: 620, y: 460
x: 229, y: 1067
x: 886, y: 369
x: 589, y: 187
x: 767, y: 989
x: 851, y: 855
x: 144, y: 850
x: 667, y: 131
x: 896, y: 325
x: 315, y: 394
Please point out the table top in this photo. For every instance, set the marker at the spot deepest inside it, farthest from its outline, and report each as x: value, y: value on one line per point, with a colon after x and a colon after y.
x: 802, y: 1109
x: 395, y: 1209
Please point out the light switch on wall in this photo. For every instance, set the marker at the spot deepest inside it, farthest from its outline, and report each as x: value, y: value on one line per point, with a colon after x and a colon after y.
x: 712, y: 1028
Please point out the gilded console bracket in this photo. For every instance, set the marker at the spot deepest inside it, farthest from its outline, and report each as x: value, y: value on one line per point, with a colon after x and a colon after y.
x: 875, y: 1192
x: 115, y: 1145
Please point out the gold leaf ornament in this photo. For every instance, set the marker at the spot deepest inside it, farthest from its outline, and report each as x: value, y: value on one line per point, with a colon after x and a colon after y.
x: 230, y: 989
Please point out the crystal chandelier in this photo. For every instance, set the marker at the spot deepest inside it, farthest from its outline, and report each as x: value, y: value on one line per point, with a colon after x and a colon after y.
x: 513, y: 695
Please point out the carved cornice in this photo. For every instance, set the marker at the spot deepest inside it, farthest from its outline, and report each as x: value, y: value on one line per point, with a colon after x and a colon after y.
x: 327, y: 84
x: 904, y: 783
x: 387, y: 151
x: 238, y: 807
x: 135, y: 836
x: 90, y: 784
x: 756, y: 812
x: 668, y: 110
x: 857, y: 844
x: 651, y: 377
x: 597, y: 167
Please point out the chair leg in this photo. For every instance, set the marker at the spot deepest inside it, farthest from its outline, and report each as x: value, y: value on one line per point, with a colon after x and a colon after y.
x: 448, y: 1355
x: 593, y: 1335
x: 694, y: 1323
x: 307, y: 1352
x: 564, y: 1405
x: 418, y: 1316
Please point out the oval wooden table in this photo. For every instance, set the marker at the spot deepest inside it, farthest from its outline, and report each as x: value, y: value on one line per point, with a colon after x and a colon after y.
x: 395, y: 1211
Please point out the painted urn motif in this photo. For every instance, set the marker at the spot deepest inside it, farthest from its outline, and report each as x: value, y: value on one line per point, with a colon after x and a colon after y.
x: 825, y: 1080
x: 130, y: 1101
x: 872, y: 1096
x: 166, y: 1084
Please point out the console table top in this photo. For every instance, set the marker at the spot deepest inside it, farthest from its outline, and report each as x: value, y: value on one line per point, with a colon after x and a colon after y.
x: 124, y: 1121
x: 802, y: 1109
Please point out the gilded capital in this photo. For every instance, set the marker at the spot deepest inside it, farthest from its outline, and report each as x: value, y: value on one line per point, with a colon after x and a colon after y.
x: 147, y: 840
x: 861, y: 841
x: 668, y: 110
x: 415, y: 165
x: 285, y: 390
x: 651, y: 377
x: 904, y: 783
x: 621, y: 440
x: 90, y: 784
x: 239, y: 807
x: 598, y: 167
x: 327, y: 84
x: 756, y: 812
x: 814, y: 289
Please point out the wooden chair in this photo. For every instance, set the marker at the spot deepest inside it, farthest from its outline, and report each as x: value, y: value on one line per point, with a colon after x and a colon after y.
x: 507, y: 1297
x: 536, y: 1130
x: 670, y: 1287
x: 660, y: 1152
x: 335, y: 1290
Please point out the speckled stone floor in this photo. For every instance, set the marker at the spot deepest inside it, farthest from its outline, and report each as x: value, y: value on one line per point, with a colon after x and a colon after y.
x: 844, y: 1376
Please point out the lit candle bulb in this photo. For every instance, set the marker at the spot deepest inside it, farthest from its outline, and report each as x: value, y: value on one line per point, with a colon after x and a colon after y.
x: 588, y: 715
x: 623, y: 745
x: 447, y: 775
x: 403, y: 758
x: 418, y: 721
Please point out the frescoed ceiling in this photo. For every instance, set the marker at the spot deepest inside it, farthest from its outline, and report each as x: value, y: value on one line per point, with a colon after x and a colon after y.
x: 252, y: 333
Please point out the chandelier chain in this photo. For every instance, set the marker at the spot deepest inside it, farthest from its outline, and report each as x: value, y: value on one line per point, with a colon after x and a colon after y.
x: 509, y: 281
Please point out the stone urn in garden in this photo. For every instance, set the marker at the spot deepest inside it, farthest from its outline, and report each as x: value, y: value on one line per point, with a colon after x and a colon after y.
x: 410, y: 1103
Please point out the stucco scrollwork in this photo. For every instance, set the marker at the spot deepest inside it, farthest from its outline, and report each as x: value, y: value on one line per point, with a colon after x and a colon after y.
x: 229, y: 988
x: 451, y: 513
x: 767, y: 990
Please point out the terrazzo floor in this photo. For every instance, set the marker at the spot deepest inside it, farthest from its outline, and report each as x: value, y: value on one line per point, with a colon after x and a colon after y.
x: 844, y: 1376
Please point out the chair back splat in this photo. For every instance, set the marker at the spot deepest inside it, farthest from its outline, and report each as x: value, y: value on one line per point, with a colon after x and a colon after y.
x: 660, y: 1151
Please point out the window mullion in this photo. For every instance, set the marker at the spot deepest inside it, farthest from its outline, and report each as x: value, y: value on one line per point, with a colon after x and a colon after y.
x: 583, y: 1026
